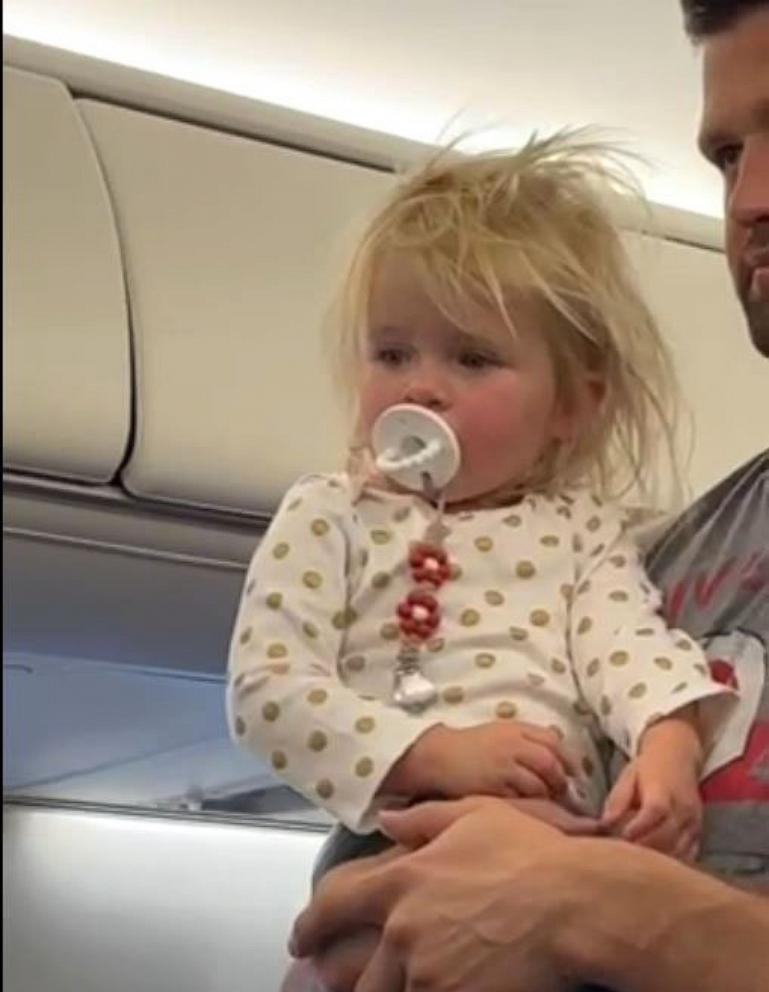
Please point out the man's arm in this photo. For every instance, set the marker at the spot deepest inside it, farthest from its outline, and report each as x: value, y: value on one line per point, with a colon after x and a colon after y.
x: 498, y: 901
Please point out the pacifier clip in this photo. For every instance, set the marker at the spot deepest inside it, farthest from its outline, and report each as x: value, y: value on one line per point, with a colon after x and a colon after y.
x: 418, y: 450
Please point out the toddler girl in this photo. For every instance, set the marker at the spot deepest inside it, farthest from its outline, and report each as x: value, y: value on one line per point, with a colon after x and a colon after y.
x: 488, y: 634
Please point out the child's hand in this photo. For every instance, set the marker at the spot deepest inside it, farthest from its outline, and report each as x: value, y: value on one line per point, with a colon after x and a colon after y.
x: 657, y: 804
x: 503, y: 758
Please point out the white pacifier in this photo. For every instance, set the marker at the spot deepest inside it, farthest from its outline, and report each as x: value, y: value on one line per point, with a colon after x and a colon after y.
x: 415, y: 448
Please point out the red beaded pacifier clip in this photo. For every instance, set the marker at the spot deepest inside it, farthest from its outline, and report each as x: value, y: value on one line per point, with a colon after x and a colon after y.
x: 417, y: 449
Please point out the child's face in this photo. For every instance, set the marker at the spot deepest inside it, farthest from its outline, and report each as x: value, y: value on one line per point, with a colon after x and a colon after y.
x: 498, y: 394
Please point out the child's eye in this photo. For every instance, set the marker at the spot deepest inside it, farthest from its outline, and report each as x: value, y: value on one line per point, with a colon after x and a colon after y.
x: 478, y: 360
x: 390, y: 356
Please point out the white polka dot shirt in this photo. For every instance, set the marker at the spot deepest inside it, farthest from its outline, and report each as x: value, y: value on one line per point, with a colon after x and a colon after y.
x: 548, y: 618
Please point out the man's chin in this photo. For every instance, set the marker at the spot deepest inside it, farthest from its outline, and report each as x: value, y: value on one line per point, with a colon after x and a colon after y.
x: 757, y: 314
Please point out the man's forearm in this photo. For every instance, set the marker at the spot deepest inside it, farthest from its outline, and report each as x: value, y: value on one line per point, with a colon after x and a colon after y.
x: 648, y: 923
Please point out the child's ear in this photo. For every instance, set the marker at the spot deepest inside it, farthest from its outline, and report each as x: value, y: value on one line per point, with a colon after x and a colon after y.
x: 585, y: 403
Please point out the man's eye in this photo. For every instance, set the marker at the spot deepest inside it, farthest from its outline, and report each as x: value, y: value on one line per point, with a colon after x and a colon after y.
x: 726, y: 156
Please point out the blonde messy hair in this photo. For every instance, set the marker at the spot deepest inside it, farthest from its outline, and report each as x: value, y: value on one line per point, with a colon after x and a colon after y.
x: 535, y: 223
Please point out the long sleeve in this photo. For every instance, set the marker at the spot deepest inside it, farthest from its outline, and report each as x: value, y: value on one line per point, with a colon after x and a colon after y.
x: 630, y: 667
x: 286, y: 699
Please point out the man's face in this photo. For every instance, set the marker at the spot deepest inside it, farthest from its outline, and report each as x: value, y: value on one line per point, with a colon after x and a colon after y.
x: 735, y: 137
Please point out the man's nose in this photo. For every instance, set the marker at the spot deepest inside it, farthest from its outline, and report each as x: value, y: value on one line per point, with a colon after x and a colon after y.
x: 748, y: 200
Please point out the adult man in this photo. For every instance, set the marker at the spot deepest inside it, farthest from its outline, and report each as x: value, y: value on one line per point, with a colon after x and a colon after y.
x: 498, y: 900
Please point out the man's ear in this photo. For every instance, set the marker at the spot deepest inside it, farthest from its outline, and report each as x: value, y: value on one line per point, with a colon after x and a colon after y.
x: 582, y: 407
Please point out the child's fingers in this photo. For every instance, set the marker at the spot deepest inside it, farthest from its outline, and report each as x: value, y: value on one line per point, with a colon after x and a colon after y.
x: 620, y: 800
x: 550, y: 739
x: 650, y: 820
x: 525, y: 783
x: 541, y: 761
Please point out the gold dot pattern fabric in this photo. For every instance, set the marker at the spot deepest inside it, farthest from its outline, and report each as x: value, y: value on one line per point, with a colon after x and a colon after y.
x: 548, y: 618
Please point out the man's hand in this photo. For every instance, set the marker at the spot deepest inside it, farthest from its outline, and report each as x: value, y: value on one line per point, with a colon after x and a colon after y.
x: 343, y: 960
x: 442, y: 909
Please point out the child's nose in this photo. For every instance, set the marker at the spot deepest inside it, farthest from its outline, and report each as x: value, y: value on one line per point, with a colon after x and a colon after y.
x: 428, y: 389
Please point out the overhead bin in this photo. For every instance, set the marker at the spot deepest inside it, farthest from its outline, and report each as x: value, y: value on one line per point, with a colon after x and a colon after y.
x: 66, y: 342
x: 231, y: 250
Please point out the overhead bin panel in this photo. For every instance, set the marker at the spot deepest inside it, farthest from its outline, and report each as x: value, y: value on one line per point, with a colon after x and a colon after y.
x: 231, y: 249
x: 66, y: 338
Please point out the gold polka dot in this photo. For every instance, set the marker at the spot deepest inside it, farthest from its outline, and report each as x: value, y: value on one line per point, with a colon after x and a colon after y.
x: 357, y: 663
x: 702, y: 669
x: 518, y: 633
x: 436, y: 644
x: 319, y: 527
x: 317, y: 741
x: 313, y: 580
x: 587, y: 766
x: 535, y: 679
x: 245, y: 635
x: 270, y: 712
x: 310, y: 629
x: 274, y: 600
x: 469, y: 618
x: 280, y: 550
x: 485, y: 660
x: 619, y: 596
x: 240, y: 726
x: 605, y: 705
x: 681, y: 686
x: 558, y: 666
x: 645, y: 632
x: 638, y: 691
x: 567, y: 591
x: 564, y: 511
x: 584, y: 625
x: 381, y: 536
x: 381, y: 580
x: 593, y: 667
x: 593, y: 524
x: 389, y: 631
x: 583, y: 587
x: 596, y: 500
x: 513, y: 520
x: 325, y: 788
x: 277, y: 650
x: 453, y: 695
x: 294, y: 504
x: 581, y: 708
x: 401, y: 514
x: 456, y: 571
x: 577, y: 544
x: 317, y: 697
x: 664, y: 663
x: 279, y: 668
x: 344, y: 618
x: 684, y: 645
x: 239, y: 680
x: 525, y: 570
x: 365, y: 724
x: 493, y: 597
x: 484, y: 543
x: 364, y: 767
x: 506, y: 710
x: 597, y: 550
x: 619, y: 561
x: 619, y: 658
x: 540, y: 618
x: 279, y: 760
x: 550, y: 540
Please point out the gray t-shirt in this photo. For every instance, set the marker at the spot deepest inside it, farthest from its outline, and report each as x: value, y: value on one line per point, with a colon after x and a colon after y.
x: 713, y: 568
